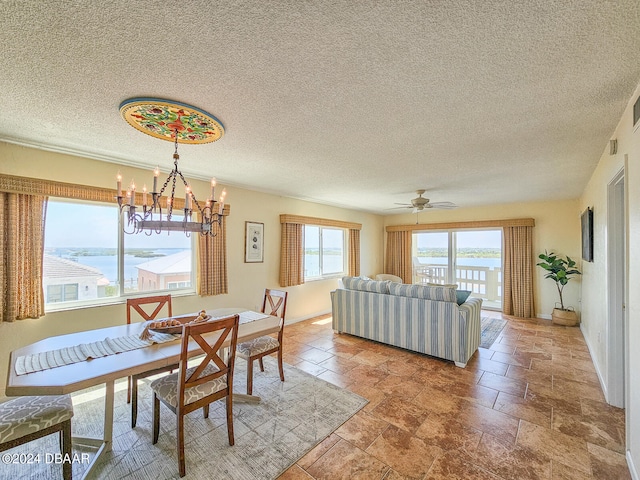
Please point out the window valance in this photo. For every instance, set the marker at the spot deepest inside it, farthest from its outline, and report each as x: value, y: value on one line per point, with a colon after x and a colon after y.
x: 50, y: 188
x: 324, y: 222
x: 513, y: 222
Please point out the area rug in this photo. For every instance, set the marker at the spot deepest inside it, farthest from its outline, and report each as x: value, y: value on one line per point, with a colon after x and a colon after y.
x: 270, y: 436
x: 491, y: 328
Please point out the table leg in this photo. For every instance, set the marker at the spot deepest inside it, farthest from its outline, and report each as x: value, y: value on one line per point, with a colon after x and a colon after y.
x: 243, y: 397
x: 102, y: 444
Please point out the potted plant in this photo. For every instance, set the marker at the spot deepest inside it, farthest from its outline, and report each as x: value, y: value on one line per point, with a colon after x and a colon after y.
x: 560, y: 270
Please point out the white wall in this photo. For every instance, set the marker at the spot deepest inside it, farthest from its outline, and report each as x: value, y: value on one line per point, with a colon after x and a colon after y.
x: 557, y: 229
x: 595, y: 284
x: 246, y: 280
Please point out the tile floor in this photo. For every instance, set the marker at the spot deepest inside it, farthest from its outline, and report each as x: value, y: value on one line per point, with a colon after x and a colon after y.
x: 529, y: 407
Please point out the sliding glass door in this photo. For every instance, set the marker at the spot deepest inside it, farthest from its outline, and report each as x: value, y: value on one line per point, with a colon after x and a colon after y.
x: 472, y: 259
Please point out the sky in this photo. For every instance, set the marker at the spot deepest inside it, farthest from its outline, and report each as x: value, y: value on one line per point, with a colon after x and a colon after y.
x: 78, y: 225
x: 465, y: 239
x: 331, y: 237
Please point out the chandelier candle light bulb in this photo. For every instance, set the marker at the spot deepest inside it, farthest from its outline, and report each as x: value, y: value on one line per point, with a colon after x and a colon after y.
x: 187, y: 198
x: 119, y: 184
x: 156, y: 172
x: 222, y: 197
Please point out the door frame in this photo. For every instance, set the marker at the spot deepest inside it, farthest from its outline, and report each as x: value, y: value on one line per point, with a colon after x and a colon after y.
x: 617, y: 319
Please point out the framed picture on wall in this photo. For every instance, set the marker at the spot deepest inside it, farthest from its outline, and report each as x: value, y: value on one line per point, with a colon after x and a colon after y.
x: 587, y: 234
x: 253, y: 242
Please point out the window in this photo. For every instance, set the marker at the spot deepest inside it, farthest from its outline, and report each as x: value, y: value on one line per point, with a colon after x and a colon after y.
x: 158, y: 261
x: 62, y: 293
x: 472, y: 259
x: 84, y: 262
x: 324, y: 252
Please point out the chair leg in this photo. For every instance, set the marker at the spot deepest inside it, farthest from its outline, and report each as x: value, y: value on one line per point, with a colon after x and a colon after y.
x: 129, y: 381
x: 249, y: 376
x: 205, y: 410
x: 261, y: 364
x: 230, y: 419
x: 67, y: 469
x: 156, y: 418
x: 280, y: 364
x: 180, y: 440
x: 134, y: 402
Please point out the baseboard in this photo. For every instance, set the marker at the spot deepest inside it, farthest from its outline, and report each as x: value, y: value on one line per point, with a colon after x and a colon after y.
x: 594, y: 360
x: 632, y: 467
x: 307, y: 317
x: 544, y: 316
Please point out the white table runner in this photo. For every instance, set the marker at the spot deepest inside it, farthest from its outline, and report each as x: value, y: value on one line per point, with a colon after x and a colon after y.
x: 36, y: 362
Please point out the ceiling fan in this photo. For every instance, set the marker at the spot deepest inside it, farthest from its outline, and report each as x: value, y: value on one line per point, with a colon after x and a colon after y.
x: 420, y: 203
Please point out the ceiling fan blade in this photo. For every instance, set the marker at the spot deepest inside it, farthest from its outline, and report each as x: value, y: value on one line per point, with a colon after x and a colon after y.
x: 405, y: 204
x: 397, y: 208
x: 443, y: 205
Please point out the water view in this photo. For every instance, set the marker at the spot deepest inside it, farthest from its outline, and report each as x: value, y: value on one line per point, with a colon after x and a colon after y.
x: 472, y: 257
x: 106, y: 259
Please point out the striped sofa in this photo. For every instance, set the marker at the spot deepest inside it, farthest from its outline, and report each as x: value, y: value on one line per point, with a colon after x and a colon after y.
x: 415, y: 317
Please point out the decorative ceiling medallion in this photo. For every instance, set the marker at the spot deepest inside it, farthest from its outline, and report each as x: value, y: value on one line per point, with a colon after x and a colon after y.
x: 161, y: 118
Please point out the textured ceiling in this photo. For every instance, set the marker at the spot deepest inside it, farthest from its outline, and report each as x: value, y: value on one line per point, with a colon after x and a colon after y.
x: 348, y: 103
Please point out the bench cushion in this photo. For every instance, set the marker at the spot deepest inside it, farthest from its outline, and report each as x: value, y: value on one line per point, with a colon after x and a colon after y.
x: 26, y: 415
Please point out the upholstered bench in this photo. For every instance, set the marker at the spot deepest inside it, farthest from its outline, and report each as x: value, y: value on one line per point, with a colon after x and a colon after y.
x: 24, y: 419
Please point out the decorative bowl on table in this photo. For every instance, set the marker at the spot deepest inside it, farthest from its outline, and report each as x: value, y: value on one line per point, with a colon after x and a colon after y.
x: 174, y: 324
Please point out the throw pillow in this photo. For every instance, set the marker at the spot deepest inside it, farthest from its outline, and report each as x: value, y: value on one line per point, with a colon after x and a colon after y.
x: 462, y: 295
x: 355, y: 283
x: 424, y: 292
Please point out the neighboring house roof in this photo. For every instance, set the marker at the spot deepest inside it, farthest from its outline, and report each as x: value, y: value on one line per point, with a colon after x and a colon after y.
x: 170, y: 264
x: 57, y: 267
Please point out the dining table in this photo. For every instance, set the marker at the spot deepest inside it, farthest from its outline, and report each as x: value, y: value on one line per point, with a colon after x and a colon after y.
x: 107, y: 369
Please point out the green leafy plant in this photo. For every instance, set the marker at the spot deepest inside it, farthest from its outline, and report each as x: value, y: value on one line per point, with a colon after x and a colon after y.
x: 559, y: 269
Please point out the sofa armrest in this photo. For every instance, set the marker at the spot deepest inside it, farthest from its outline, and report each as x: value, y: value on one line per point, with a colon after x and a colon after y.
x: 470, y: 309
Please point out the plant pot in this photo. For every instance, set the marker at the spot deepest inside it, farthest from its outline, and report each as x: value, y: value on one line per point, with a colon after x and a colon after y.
x: 568, y: 318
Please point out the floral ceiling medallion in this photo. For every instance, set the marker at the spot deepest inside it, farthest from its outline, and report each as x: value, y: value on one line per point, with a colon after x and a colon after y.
x: 162, y: 119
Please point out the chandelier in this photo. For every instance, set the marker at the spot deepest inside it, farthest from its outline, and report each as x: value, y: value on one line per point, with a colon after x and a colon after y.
x: 180, y: 123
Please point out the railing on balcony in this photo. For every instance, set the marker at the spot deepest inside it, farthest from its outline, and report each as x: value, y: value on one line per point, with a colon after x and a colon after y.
x: 484, y: 282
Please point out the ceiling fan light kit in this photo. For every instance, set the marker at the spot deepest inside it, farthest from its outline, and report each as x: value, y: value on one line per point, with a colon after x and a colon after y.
x: 419, y: 203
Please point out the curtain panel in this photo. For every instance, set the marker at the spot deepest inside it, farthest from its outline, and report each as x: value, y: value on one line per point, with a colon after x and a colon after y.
x: 292, y: 255
x: 354, y: 252
x: 398, y: 259
x: 212, y: 263
x: 518, y: 295
x: 22, y: 219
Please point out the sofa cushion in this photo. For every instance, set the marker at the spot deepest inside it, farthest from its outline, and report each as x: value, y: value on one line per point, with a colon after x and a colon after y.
x: 356, y: 283
x: 443, y: 294
x: 462, y: 295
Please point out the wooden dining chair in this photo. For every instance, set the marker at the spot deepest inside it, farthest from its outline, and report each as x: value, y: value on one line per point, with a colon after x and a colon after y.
x: 24, y: 419
x: 193, y: 387
x: 158, y: 303
x: 266, y: 345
